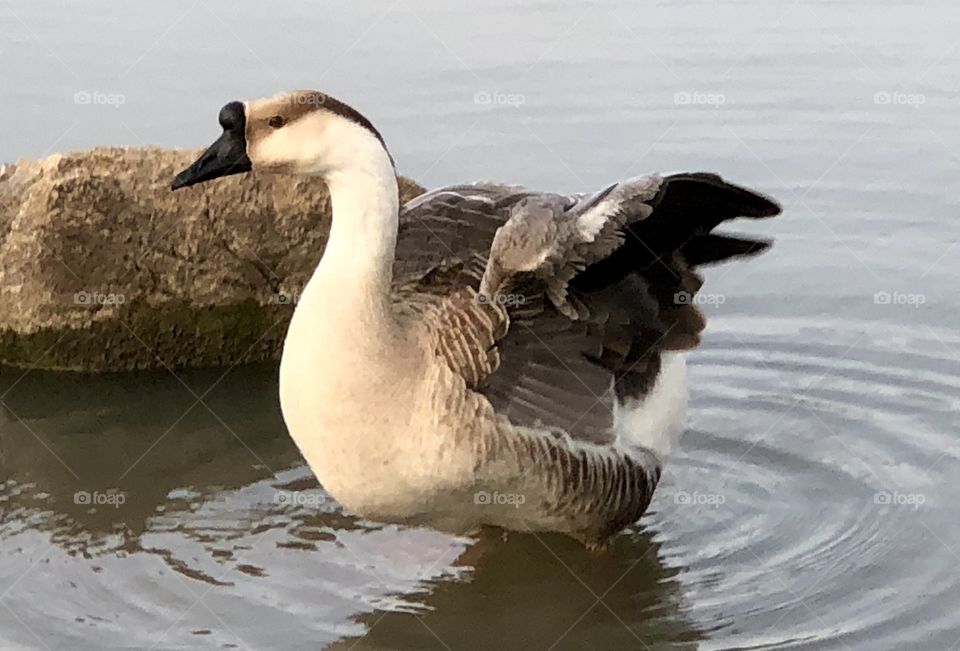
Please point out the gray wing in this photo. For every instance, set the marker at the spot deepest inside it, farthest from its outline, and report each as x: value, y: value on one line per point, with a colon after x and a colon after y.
x: 588, y: 287
x: 450, y: 225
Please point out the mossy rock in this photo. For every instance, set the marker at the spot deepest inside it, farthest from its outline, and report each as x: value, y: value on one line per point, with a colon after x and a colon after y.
x: 104, y: 268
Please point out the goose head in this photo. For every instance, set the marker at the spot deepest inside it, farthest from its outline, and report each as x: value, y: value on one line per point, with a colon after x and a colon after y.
x: 303, y: 132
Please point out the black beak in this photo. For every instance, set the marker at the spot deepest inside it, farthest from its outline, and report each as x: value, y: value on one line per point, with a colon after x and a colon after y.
x: 226, y: 156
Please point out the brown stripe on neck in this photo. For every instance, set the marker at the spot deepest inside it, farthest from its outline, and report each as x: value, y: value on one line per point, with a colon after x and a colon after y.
x: 317, y: 99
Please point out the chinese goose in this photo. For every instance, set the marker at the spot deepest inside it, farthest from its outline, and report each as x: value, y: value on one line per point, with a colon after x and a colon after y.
x: 496, y: 356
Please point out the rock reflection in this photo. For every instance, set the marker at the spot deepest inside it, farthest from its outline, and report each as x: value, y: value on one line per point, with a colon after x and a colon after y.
x: 97, y: 461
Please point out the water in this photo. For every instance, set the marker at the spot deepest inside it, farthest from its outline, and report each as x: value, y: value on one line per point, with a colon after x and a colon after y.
x: 814, y: 502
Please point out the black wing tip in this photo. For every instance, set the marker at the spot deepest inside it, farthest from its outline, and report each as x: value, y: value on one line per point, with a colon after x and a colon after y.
x: 747, y: 202
x: 765, y: 206
x: 712, y: 248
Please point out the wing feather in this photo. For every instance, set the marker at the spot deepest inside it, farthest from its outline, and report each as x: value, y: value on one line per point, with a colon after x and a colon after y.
x: 555, y: 306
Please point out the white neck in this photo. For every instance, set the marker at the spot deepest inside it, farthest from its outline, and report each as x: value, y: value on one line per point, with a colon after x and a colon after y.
x: 354, y: 276
x: 345, y: 347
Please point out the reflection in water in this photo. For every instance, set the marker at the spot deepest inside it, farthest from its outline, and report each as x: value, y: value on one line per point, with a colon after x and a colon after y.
x: 224, y: 538
x: 545, y: 592
x: 99, y: 456
x: 204, y: 525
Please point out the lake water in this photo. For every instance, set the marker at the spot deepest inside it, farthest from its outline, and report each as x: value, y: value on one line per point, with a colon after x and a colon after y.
x: 815, y: 503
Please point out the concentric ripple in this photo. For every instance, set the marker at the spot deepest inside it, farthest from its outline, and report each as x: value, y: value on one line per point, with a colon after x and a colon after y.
x: 809, y: 469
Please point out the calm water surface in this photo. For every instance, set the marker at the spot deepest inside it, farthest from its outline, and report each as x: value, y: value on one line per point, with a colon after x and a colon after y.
x: 815, y: 503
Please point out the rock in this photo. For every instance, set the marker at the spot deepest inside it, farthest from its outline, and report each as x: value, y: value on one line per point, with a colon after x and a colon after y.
x: 104, y: 268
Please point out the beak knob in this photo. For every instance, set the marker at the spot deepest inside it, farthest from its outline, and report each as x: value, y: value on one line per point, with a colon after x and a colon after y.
x: 226, y: 156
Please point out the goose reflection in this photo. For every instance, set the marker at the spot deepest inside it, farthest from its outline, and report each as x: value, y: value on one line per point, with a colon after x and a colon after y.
x: 544, y: 592
x: 216, y: 493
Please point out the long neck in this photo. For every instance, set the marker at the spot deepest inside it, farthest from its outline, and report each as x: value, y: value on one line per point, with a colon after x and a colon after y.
x: 354, y: 276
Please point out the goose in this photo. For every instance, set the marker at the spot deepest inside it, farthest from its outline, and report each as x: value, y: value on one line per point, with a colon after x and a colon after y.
x: 485, y: 355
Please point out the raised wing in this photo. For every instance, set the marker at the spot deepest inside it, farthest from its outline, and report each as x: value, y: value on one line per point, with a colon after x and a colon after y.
x: 556, y: 306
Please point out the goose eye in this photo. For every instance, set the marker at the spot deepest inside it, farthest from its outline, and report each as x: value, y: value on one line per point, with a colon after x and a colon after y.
x: 276, y: 122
